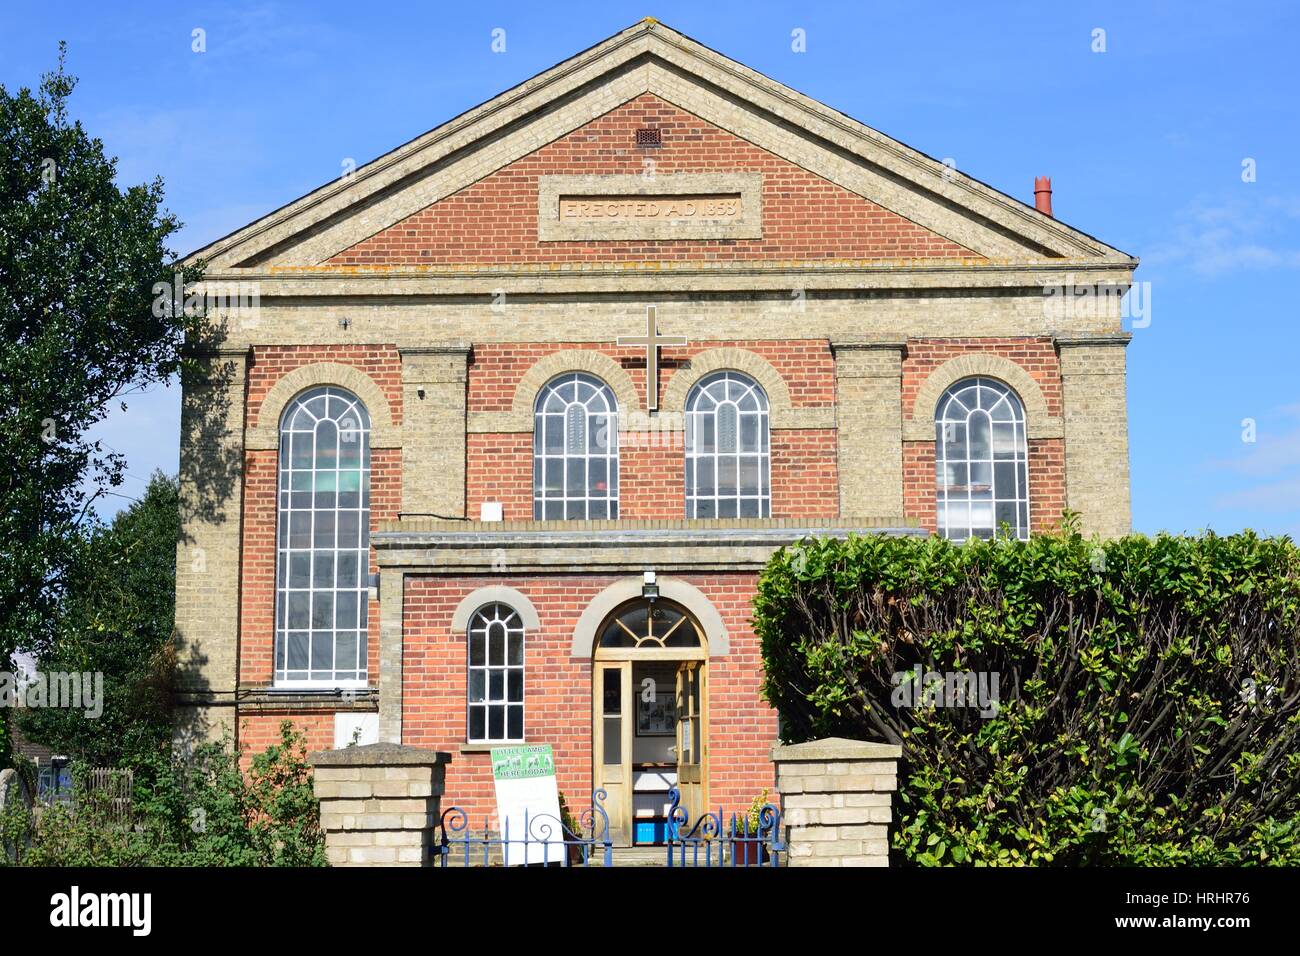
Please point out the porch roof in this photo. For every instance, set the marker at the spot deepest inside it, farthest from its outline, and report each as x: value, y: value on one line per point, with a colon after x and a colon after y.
x: 443, y: 545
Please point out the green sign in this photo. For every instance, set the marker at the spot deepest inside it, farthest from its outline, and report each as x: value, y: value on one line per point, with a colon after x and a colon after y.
x: 522, y: 763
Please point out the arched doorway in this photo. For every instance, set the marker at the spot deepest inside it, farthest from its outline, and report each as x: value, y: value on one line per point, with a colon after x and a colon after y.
x: 650, y: 716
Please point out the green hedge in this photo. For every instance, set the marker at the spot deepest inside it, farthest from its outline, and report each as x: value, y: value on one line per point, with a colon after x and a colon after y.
x: 1148, y: 690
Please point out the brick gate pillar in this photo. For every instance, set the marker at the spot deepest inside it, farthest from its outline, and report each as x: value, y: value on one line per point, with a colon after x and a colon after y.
x: 836, y: 798
x: 379, y: 803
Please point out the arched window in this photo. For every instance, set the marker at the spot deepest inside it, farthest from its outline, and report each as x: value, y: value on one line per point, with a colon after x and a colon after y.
x: 647, y: 625
x: 323, y: 541
x: 575, y: 449
x: 495, y: 697
x: 981, y: 461
x: 728, y: 458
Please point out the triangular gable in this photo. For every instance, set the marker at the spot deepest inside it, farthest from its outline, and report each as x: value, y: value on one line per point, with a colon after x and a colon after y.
x: 650, y: 58
x: 495, y: 220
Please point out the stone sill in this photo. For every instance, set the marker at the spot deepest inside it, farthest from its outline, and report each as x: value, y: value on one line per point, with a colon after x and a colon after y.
x: 266, y: 700
x: 482, y: 748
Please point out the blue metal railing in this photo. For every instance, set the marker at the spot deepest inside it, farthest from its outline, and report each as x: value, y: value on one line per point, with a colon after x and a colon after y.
x: 706, y: 843
x: 545, y: 840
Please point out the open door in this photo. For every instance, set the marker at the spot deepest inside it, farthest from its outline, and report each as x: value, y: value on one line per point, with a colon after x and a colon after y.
x: 612, y: 706
x: 691, y: 736
x: 648, y: 735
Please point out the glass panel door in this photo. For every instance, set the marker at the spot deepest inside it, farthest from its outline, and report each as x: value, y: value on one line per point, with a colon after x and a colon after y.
x: 690, y: 736
x: 612, y: 739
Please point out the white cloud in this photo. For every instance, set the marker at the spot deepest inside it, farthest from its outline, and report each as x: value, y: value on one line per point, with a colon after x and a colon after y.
x: 1248, y: 232
x: 1269, y: 455
x: 1281, y: 497
x: 1273, y: 460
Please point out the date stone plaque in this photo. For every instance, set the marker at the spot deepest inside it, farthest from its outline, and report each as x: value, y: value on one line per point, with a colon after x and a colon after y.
x: 722, y: 207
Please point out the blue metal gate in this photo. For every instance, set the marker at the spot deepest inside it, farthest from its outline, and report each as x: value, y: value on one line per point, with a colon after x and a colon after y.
x: 706, y: 843
x: 702, y: 843
x: 589, y: 845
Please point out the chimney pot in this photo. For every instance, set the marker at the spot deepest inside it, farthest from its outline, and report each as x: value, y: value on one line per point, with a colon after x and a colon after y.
x: 1043, y: 194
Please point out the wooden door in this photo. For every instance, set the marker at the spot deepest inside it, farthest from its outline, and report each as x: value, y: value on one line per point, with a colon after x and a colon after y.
x: 692, y: 737
x: 612, y: 744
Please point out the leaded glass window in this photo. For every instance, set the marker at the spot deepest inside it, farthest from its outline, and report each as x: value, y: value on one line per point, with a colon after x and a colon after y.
x: 981, y: 461
x: 728, y: 454
x: 575, y: 449
x: 323, y: 541
x: 495, y: 695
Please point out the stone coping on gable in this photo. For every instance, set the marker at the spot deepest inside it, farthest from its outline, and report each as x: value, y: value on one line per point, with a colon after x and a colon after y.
x: 1028, y: 269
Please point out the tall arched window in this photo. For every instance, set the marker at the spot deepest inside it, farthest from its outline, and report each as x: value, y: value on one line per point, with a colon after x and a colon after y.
x: 495, y: 697
x: 323, y: 541
x: 575, y: 449
x: 728, y: 458
x: 981, y: 461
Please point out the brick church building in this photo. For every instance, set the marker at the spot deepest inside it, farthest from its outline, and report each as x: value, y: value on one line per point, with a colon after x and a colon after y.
x: 527, y: 402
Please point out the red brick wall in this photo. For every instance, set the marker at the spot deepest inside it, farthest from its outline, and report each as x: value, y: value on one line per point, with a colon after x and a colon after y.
x: 1037, y: 356
x: 261, y: 477
x: 259, y: 731
x: 805, y: 474
x: 494, y: 220
x: 499, y: 467
x: 651, y: 472
x: 557, y: 688
x: 1046, y: 483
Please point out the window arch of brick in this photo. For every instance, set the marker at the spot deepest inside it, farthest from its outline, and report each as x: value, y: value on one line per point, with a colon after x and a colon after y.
x: 265, y: 434
x: 919, y: 424
x: 782, y: 413
x: 597, y: 364
x: 629, y: 589
x: 496, y: 594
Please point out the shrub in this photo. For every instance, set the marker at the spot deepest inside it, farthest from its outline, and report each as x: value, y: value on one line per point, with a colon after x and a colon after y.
x: 199, y: 809
x: 1148, y: 690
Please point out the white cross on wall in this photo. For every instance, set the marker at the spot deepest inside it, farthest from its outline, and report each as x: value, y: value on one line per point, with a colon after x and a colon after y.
x: 651, y: 340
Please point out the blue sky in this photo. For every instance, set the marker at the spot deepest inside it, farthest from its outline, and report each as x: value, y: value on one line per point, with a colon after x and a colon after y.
x: 1145, y: 143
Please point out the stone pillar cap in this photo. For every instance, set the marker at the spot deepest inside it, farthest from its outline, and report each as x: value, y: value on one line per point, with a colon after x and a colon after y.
x: 836, y: 748
x: 378, y: 755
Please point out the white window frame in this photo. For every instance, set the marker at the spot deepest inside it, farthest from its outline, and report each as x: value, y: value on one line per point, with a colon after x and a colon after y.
x: 482, y: 626
x: 730, y: 388
x: 973, y: 402
x: 588, y: 431
x: 352, y: 421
